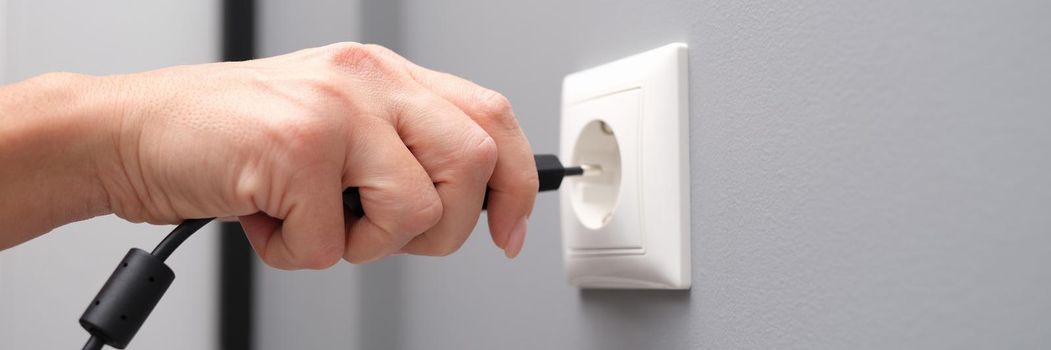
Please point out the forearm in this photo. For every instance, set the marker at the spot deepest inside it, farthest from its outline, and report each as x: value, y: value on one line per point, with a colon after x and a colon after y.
x: 55, y: 131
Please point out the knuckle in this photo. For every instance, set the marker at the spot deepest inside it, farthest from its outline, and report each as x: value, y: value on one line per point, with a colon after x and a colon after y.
x: 271, y: 261
x: 444, y: 247
x: 315, y: 258
x: 343, y: 45
x: 530, y: 182
x: 430, y: 244
x: 495, y: 108
x: 346, y: 52
x: 350, y: 53
x: 414, y: 216
x: 483, y: 154
x: 378, y: 50
x: 360, y: 58
x: 494, y: 103
x: 424, y: 214
x: 325, y: 257
x: 320, y: 261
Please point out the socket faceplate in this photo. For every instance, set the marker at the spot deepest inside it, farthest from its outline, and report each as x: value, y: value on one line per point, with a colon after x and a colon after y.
x: 631, y: 227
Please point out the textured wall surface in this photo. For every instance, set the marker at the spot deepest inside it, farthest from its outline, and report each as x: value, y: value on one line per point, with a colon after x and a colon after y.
x: 864, y: 175
x: 45, y: 284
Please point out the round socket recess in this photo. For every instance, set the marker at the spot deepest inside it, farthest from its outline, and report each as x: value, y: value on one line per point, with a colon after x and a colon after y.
x: 595, y: 196
x: 603, y: 211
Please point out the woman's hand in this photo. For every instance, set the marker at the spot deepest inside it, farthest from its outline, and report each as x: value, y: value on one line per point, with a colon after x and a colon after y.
x: 275, y: 141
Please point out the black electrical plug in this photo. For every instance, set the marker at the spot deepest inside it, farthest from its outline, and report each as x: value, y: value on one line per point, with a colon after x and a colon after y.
x: 549, y: 170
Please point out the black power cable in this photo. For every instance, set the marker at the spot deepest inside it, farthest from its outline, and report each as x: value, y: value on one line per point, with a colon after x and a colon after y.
x: 177, y: 236
x: 141, y: 278
x: 94, y: 343
x: 133, y: 290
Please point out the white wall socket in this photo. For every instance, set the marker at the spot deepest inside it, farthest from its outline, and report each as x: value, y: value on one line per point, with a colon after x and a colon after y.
x: 628, y: 227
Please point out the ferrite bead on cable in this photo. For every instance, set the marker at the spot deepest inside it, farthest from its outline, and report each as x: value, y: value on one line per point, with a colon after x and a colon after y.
x: 127, y: 298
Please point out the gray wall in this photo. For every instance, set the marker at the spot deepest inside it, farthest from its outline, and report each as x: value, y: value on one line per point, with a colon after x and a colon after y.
x: 45, y: 284
x: 864, y: 175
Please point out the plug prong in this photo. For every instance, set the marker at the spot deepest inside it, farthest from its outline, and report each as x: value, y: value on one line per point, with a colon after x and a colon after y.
x: 584, y: 170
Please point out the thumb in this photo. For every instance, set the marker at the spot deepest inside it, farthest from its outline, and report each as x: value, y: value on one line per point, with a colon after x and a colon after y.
x: 311, y: 235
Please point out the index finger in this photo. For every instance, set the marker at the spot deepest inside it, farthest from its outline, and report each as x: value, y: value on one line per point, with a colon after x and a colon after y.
x: 513, y: 185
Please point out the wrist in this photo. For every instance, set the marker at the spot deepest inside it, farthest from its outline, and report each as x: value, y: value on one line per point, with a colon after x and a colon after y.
x: 94, y: 115
x: 61, y: 127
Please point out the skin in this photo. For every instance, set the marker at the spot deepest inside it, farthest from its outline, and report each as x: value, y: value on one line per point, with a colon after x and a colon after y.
x: 272, y: 142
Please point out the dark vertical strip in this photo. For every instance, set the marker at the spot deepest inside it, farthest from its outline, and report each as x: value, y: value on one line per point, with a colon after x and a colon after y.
x: 236, y: 257
x: 235, y: 289
x: 238, y: 30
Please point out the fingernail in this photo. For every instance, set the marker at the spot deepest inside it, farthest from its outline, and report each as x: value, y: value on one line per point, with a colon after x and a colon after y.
x: 398, y: 252
x: 516, y: 239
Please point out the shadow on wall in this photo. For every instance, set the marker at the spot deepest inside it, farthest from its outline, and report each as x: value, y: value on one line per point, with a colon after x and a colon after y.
x: 612, y: 318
